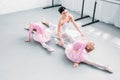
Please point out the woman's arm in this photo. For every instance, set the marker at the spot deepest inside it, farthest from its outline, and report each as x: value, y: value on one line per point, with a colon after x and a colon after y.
x: 59, y: 34
x: 75, y: 25
x: 58, y: 30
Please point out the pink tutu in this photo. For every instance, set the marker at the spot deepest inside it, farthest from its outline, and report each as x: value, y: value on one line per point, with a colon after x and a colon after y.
x: 41, y: 38
x: 75, y: 52
x: 40, y: 34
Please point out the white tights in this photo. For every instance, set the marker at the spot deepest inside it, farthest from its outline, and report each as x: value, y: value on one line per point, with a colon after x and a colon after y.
x: 65, y: 36
x: 94, y: 64
x: 46, y: 46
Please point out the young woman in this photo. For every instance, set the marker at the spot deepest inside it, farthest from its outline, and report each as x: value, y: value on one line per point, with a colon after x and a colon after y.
x: 62, y: 30
x: 63, y: 24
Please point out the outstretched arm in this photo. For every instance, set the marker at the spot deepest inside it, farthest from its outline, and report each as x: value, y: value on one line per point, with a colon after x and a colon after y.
x: 76, y: 26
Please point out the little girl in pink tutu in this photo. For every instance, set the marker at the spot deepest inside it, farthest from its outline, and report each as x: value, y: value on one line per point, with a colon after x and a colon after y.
x: 40, y: 35
x: 76, y: 53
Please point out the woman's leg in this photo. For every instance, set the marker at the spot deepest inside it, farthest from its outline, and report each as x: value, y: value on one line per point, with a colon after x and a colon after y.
x: 106, y: 68
x: 47, y: 47
x: 58, y: 43
x: 52, y: 28
x: 68, y: 37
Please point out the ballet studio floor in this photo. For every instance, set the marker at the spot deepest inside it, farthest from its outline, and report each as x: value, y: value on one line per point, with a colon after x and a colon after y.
x: 29, y: 61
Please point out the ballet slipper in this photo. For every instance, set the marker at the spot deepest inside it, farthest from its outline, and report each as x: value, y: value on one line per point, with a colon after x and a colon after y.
x: 108, y: 69
x: 45, y: 23
x: 56, y: 41
x: 26, y: 28
x: 50, y: 49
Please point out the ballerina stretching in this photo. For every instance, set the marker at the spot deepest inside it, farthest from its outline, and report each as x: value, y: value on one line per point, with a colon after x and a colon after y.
x: 40, y: 35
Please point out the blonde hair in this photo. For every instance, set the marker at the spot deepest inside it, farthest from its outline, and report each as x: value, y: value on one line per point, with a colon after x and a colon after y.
x: 89, y: 46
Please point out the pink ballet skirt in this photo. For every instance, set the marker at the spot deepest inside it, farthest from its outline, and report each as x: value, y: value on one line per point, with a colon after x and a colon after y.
x: 40, y: 35
x: 73, y: 55
x: 41, y: 38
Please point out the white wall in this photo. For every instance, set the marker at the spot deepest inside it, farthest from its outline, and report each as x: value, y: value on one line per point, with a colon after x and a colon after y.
x: 72, y: 4
x: 8, y: 6
x: 105, y: 11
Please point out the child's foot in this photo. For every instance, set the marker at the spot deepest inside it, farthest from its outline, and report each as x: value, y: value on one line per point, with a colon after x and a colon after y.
x: 108, y: 69
x: 26, y: 28
x: 56, y: 41
x: 51, y: 49
x: 45, y: 23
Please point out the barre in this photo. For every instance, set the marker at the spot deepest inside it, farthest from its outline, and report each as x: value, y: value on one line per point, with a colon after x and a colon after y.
x: 53, y: 5
x: 93, y: 18
x: 82, y: 17
x: 113, y: 2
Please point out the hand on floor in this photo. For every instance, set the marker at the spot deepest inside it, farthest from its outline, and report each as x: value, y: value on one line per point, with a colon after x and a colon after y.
x: 75, y: 65
x: 27, y: 40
